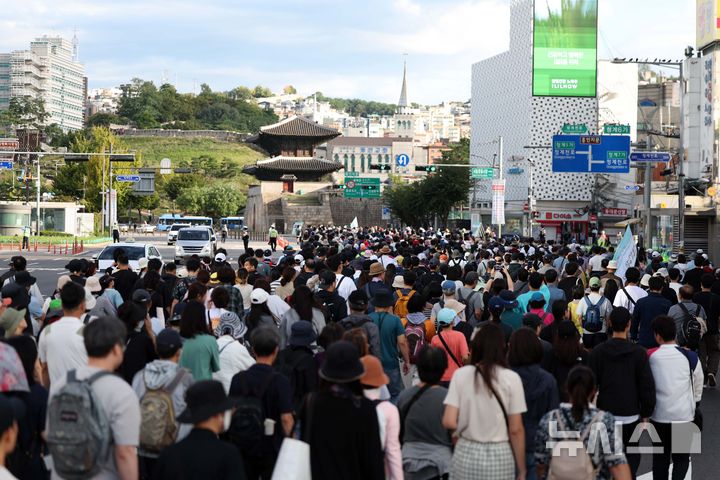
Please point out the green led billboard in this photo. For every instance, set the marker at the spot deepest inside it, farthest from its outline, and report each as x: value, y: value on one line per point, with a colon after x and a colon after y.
x: 565, y: 48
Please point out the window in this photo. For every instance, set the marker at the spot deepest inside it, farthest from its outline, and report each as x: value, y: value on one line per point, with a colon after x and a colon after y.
x: 362, y: 163
x: 345, y: 160
x: 352, y: 162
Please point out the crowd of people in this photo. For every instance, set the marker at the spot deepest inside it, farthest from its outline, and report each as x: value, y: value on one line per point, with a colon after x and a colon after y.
x: 414, y: 354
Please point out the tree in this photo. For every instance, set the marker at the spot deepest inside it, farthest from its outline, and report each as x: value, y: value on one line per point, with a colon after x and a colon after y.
x: 69, y: 183
x: 24, y: 113
x: 177, y: 184
x: 262, y: 92
x: 140, y: 203
x: 215, y: 200
x: 102, y: 119
x: 289, y: 90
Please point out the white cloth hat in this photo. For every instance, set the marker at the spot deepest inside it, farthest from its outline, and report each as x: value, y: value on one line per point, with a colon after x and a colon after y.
x: 220, y: 257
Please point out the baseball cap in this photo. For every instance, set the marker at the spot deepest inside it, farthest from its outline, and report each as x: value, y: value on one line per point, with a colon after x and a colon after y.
x: 259, y: 296
x: 327, y: 278
x: 141, y: 296
x: 168, y: 338
x: 142, y: 263
x: 644, y: 282
x: 537, y: 297
x: 299, y: 258
x: 497, y: 303
x: 448, y: 286
x: 220, y: 257
x: 446, y: 316
x: 594, y: 282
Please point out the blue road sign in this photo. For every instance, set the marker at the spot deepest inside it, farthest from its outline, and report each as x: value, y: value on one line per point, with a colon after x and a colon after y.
x: 128, y: 178
x: 650, y: 157
x: 634, y: 188
x: 591, y: 153
x: 402, y: 160
x: 6, y: 165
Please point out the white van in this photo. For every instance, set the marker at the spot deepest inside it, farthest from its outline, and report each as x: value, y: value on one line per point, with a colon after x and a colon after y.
x: 191, y: 241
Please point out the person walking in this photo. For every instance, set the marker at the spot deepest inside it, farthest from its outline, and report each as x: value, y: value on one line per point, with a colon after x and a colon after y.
x: 393, y: 344
x: 580, y: 415
x: 484, y: 408
x: 297, y: 362
x: 625, y: 383
x: 426, y: 444
x: 339, y: 423
x: 12, y: 411
x: 453, y: 343
x: 245, y: 238
x: 273, y: 237
x: 678, y: 390
x: 200, y: 351
x: 202, y: 455
x: 709, y: 347
x: 630, y: 293
x: 594, y: 310
x: 683, y: 313
x: 540, y: 388
x: 645, y: 311
x: 116, y: 233
x: 566, y: 352
x: 26, y: 238
x: 233, y: 354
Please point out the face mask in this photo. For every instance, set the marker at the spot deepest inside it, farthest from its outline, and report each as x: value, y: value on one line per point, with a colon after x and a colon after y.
x: 227, y: 419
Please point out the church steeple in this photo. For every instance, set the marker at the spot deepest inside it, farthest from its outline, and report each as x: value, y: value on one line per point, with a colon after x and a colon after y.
x: 403, y: 102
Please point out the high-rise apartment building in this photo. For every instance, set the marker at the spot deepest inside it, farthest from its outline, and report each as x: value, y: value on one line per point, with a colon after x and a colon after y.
x: 48, y: 70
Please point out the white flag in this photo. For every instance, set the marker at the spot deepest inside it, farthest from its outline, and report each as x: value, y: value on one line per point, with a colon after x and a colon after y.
x: 354, y: 223
x: 626, y: 253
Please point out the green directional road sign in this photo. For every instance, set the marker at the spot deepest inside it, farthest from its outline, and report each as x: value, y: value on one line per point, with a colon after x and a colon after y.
x: 574, y: 128
x: 615, y: 129
x: 362, y: 187
x: 482, y: 173
x: 352, y: 174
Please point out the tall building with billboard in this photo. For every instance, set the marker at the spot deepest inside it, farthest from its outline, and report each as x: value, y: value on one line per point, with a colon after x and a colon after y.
x: 48, y: 70
x: 503, y: 105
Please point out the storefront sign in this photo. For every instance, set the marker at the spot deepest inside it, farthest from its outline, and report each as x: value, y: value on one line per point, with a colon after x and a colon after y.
x: 562, y: 217
x: 615, y: 212
x: 498, y: 202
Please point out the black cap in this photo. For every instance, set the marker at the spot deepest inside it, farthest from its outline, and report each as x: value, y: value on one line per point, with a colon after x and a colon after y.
x: 141, y: 296
x: 383, y: 299
x: 169, y: 338
x: 358, y: 300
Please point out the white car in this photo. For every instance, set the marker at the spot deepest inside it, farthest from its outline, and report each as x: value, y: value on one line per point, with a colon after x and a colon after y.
x: 134, y: 251
x: 146, y: 228
x: 173, y: 232
x: 191, y: 241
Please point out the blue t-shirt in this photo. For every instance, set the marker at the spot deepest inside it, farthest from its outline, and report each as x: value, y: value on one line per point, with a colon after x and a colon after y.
x: 390, y: 328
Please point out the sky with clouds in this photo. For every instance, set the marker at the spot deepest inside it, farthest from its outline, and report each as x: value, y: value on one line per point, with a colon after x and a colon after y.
x: 344, y: 48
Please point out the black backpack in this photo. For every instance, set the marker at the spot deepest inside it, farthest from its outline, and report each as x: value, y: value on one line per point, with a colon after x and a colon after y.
x: 691, y: 328
x: 247, y: 428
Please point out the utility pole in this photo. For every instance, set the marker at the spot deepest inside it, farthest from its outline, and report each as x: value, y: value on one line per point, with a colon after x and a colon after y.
x: 647, y: 196
x: 681, y: 156
x: 37, y: 202
x: 500, y: 153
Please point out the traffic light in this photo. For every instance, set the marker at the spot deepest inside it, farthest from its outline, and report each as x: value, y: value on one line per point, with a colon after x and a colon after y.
x: 382, y: 168
x: 426, y: 168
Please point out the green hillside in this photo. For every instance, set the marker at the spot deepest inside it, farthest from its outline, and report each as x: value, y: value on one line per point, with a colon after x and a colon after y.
x: 154, y: 149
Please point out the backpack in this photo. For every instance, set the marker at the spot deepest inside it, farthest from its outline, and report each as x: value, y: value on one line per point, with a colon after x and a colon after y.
x: 415, y: 335
x: 79, y: 434
x: 570, y: 458
x: 247, y: 427
x: 469, y: 310
x: 401, y: 309
x: 158, y: 428
x: 691, y: 328
x: 593, y: 319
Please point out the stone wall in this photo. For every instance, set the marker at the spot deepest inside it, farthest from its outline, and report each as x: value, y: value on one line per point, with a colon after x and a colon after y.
x: 224, y: 135
x: 368, y: 211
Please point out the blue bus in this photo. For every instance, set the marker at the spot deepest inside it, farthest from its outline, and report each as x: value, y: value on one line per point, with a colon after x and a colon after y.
x: 167, y: 220
x: 233, y: 223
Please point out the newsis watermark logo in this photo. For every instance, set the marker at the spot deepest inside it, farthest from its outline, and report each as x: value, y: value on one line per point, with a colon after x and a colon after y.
x: 686, y: 439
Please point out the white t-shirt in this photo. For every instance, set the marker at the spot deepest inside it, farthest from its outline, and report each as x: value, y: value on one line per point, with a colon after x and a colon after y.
x: 596, y: 263
x: 61, y: 346
x: 344, y: 285
x: 605, y: 310
x: 621, y: 299
x: 246, y: 291
x: 234, y: 358
x: 480, y: 417
x: 277, y: 306
x: 6, y: 475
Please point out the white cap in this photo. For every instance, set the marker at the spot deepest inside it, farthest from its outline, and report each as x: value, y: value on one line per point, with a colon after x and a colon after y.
x: 142, y: 262
x: 299, y: 258
x: 655, y: 254
x: 258, y: 296
x: 700, y: 251
x: 220, y: 257
x: 645, y: 280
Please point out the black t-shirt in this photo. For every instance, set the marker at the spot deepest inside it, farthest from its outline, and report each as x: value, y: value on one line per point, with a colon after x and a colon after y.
x: 711, y: 304
x: 139, y: 351
x: 125, y: 282
x: 276, y: 400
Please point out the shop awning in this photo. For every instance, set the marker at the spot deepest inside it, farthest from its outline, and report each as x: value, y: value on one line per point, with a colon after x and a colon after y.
x: 629, y: 221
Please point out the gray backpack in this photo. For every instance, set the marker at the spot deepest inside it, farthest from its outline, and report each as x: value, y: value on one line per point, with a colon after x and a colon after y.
x: 78, y: 429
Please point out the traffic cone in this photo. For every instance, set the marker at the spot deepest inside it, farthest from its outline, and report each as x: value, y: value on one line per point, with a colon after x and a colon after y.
x: 54, y: 248
x: 36, y: 245
x: 66, y: 247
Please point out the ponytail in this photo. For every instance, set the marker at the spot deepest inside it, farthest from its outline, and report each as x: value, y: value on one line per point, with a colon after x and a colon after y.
x: 580, y: 385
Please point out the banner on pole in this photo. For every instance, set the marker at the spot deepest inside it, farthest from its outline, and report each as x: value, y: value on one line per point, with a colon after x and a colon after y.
x: 625, y: 254
x: 498, y: 202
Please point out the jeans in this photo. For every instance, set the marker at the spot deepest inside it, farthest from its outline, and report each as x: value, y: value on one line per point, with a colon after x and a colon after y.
x: 661, y: 461
x: 396, y: 383
x: 709, y: 354
x: 530, y: 465
x: 632, y: 458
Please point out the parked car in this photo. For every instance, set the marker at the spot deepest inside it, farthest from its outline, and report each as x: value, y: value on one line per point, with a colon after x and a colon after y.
x: 146, y: 228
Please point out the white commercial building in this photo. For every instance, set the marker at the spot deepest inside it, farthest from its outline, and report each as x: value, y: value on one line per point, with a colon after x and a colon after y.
x: 50, y: 71
x: 503, y: 106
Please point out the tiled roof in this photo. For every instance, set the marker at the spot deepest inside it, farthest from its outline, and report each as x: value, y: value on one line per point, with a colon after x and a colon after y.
x: 294, y: 164
x: 299, y: 127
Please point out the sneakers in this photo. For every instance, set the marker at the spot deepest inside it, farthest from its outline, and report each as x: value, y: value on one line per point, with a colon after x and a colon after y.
x: 712, y: 383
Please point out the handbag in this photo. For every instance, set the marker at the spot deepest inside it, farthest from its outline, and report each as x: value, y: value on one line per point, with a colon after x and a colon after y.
x: 293, y: 462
